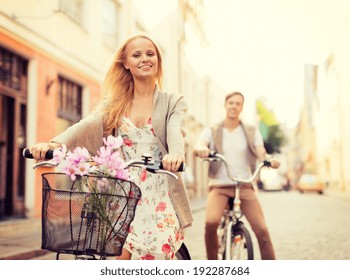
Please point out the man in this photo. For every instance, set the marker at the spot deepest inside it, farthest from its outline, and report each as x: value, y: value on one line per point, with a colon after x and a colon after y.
x: 242, y: 145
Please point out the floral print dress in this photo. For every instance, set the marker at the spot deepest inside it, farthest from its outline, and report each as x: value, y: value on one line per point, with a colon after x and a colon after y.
x: 155, y: 232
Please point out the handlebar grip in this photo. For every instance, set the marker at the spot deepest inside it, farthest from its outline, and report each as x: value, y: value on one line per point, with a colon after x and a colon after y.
x: 181, y: 168
x: 212, y: 154
x: 27, y: 154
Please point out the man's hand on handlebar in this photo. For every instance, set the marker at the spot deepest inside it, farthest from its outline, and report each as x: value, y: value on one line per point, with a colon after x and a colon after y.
x: 201, y: 151
x: 274, y: 163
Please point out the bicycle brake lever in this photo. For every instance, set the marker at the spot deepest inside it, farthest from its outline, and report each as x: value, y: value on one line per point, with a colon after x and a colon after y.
x: 155, y: 169
x: 48, y: 163
x: 166, y: 172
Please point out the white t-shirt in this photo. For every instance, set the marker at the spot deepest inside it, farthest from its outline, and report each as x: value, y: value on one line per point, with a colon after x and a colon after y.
x: 235, y: 148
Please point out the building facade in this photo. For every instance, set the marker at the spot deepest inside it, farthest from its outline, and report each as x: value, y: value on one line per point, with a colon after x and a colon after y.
x: 323, y: 132
x: 53, y: 57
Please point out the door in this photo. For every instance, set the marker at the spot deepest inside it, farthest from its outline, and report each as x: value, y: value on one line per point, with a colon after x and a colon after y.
x: 13, y: 110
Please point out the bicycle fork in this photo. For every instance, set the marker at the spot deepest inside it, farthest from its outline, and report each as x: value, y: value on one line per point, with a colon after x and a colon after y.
x: 237, y: 214
x: 228, y: 240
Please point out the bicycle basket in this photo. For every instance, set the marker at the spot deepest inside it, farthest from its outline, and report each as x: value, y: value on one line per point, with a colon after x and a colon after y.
x: 90, y: 215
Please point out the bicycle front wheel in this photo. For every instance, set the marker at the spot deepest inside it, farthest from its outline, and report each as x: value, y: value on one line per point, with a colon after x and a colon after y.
x: 183, y: 254
x: 241, y: 247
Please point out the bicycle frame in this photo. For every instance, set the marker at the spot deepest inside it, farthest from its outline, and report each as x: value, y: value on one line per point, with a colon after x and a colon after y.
x: 231, y: 218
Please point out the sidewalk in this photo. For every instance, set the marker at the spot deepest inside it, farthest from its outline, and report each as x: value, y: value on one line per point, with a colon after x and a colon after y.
x: 21, y: 239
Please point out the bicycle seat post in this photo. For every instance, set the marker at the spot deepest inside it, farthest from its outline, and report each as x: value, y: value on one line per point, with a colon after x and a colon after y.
x: 237, y: 211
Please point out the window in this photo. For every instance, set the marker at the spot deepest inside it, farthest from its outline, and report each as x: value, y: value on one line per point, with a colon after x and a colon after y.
x: 73, y: 9
x: 13, y: 71
x: 69, y: 100
x: 110, y: 22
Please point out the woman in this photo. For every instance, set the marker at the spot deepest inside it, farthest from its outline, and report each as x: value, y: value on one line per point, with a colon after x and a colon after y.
x: 149, y: 121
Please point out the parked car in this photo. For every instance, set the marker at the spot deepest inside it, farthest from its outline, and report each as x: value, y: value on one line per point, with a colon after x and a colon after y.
x: 272, y: 180
x: 310, y: 183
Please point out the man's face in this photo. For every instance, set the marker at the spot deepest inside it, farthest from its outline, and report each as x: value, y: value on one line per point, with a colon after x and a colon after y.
x: 234, y: 106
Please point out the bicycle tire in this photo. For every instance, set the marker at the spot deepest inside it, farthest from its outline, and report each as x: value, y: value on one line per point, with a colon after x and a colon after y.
x: 183, y: 254
x: 241, y: 243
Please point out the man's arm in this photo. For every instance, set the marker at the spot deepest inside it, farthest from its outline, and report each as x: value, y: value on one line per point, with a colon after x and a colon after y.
x: 201, y: 148
x: 262, y: 155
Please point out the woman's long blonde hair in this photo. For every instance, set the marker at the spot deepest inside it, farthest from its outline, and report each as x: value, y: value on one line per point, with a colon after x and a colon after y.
x: 118, y: 86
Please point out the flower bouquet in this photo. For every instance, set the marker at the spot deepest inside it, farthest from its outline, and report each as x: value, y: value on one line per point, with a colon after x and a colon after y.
x: 89, y: 203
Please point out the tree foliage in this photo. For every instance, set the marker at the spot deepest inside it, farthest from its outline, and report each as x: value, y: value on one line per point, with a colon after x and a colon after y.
x: 270, y: 129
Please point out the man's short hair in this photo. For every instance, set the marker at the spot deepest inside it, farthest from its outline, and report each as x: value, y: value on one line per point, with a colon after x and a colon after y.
x: 229, y: 95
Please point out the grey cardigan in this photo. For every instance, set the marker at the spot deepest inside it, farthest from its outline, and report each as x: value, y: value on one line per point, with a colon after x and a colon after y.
x: 168, y: 120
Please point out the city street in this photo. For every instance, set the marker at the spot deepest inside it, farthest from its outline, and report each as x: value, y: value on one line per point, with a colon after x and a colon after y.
x: 302, y: 226
x: 308, y: 226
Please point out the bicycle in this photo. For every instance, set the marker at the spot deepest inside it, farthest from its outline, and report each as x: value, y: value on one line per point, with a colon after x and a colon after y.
x: 72, y: 225
x: 235, y: 242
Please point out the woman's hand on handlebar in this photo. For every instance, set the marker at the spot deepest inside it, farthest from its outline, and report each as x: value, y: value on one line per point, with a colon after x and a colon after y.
x: 39, y: 150
x: 172, y: 162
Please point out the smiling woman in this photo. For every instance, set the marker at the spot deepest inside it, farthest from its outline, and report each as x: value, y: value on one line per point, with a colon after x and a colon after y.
x: 150, y: 121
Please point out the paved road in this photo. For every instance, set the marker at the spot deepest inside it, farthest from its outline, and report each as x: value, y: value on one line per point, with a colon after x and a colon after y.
x: 308, y: 226
x: 303, y: 227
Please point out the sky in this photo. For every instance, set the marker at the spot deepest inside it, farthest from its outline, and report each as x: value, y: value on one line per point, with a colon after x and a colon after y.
x: 260, y: 47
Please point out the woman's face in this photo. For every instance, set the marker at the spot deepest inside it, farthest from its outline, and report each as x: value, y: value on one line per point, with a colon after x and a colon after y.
x: 141, y: 58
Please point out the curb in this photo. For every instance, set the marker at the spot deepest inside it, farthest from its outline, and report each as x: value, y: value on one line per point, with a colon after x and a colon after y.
x: 27, y: 255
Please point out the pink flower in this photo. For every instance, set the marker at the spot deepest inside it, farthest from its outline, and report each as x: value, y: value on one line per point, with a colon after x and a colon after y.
x: 102, y: 185
x: 113, y: 206
x: 161, y: 206
x: 143, y: 175
x: 147, y: 257
x: 131, y: 193
x: 79, y: 154
x: 160, y: 225
x: 59, y: 154
x: 123, y: 174
x: 166, y: 248
x: 153, y: 131
x: 128, y: 142
x: 70, y: 172
x: 179, y: 236
x: 113, y: 142
x: 111, y: 162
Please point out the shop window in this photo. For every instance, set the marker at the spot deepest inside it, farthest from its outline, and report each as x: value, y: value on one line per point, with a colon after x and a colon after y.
x: 69, y: 100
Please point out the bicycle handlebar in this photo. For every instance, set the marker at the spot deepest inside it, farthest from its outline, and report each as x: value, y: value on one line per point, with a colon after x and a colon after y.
x: 215, y: 156
x: 146, y: 162
x: 27, y: 154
